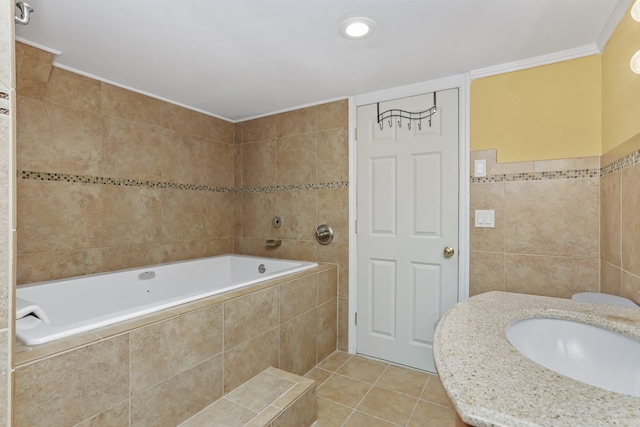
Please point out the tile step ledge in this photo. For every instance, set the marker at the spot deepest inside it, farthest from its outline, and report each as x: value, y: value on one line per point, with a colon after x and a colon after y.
x: 273, y: 398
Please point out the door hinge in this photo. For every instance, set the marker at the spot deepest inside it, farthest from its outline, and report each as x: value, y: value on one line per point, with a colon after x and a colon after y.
x: 356, y: 132
x: 356, y: 317
x: 356, y: 226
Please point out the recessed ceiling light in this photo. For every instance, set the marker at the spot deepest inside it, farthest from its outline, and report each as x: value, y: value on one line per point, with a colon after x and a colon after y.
x: 357, y: 28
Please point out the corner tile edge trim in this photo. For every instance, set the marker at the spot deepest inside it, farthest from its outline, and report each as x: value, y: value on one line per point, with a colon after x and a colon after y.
x: 89, y: 179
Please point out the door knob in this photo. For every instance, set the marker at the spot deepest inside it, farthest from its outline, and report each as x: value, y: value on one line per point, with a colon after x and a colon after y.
x: 448, y: 252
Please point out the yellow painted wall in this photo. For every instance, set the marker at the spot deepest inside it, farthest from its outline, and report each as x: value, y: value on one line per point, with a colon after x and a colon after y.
x: 541, y: 113
x: 620, y: 86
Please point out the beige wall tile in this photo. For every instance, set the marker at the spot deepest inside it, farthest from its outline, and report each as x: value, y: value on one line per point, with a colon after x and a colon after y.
x: 298, y: 343
x: 298, y: 212
x: 327, y: 329
x: 33, y: 68
x: 131, y: 215
x: 117, y: 416
x: 73, y: 90
x: 257, y: 211
x: 299, y: 250
x: 258, y: 129
x: 254, y: 246
x: 131, y: 150
x: 298, y: 296
x: 55, y: 138
x: 42, y: 266
x: 333, y: 155
x: 551, y: 276
x: 175, y: 400
x: 55, y: 216
x: 558, y: 217
x: 185, y: 158
x: 296, y: 159
x: 327, y: 285
x: 220, y: 164
x: 297, y: 122
x: 73, y: 386
x: 219, y: 208
x: 631, y: 287
x: 249, y: 316
x: 220, y: 246
x: 333, y: 209
x: 184, y: 120
x: 164, y: 349
x: 301, y: 413
x: 184, y: 250
x: 220, y: 130
x: 237, y: 166
x: 128, y: 105
x: 184, y: 214
x: 259, y: 164
x: 343, y: 324
x: 610, y: 279
x: 487, y: 196
x: 610, y: 218
x: 249, y: 359
x: 337, y: 253
x: 486, y: 272
x: 630, y: 222
x: 333, y: 115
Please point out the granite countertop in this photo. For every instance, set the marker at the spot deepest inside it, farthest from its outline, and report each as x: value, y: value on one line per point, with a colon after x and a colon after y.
x: 493, y: 384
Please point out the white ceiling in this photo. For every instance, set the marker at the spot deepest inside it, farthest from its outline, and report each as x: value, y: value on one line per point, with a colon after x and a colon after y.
x: 244, y: 58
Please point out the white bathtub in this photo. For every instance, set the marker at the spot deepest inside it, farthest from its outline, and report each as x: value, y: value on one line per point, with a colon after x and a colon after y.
x: 51, y: 310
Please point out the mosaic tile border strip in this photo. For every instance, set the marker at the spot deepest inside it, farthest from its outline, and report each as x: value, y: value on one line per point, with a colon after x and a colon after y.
x: 539, y: 176
x: 88, y: 179
x: 627, y: 161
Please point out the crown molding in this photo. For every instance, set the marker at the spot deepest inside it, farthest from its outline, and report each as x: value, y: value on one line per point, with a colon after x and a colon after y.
x: 536, y: 61
x: 613, y: 21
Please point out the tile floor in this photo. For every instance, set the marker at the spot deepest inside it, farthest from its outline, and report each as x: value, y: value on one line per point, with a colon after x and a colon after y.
x: 354, y: 391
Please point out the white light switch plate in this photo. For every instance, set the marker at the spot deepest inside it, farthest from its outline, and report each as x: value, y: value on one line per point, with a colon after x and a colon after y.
x: 480, y: 168
x: 485, y: 218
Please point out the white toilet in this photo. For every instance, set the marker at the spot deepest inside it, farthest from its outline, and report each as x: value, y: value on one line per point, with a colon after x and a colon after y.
x: 598, y: 298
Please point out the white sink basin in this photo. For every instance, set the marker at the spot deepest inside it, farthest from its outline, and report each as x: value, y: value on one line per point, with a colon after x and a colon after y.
x: 586, y: 353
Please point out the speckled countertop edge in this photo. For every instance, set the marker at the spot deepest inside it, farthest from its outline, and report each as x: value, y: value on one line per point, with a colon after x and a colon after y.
x: 492, y: 384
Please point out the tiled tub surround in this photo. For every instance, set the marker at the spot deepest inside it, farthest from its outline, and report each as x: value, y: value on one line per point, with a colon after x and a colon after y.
x: 64, y: 308
x: 547, y: 217
x: 111, y: 179
x: 163, y: 368
x: 492, y: 384
x: 305, y: 152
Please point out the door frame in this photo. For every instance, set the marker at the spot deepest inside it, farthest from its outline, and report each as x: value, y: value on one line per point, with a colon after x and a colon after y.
x: 462, y: 83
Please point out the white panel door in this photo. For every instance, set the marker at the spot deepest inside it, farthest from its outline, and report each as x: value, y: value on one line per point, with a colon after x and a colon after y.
x: 407, y: 197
